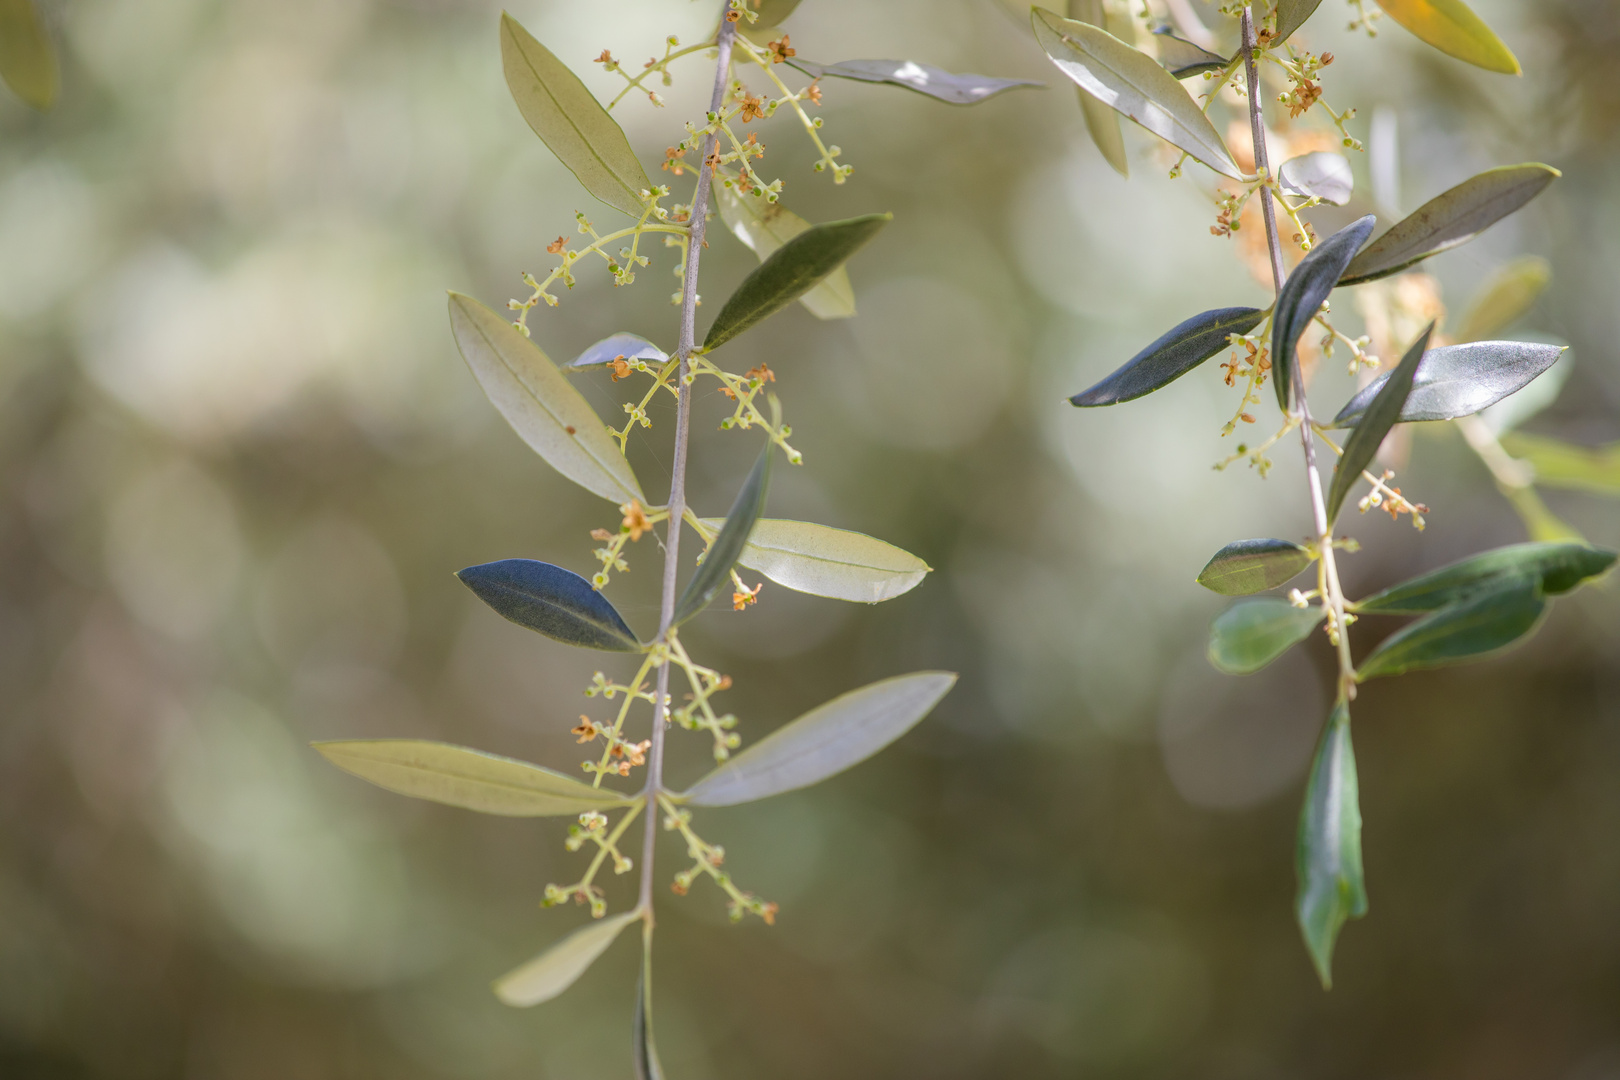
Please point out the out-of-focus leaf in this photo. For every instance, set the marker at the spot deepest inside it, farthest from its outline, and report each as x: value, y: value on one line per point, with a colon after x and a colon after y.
x: 1541, y: 523
x: 771, y: 12
x: 937, y: 83
x: 1321, y: 174
x: 1562, y: 465
x: 1476, y: 626
x: 1291, y: 15
x: 1558, y: 567
x: 824, y: 561
x: 1381, y: 414
x: 1459, y: 380
x: 1131, y: 82
x: 1455, y: 30
x: 1327, y: 856
x: 470, y: 779
x: 1181, y: 57
x: 765, y: 226
x: 791, y: 271
x: 1301, y: 297
x: 1180, y: 350
x: 536, y: 399
x: 1251, y: 634
x: 1251, y: 566
x: 27, y: 59
x: 642, y: 1047
x: 617, y: 347
x: 551, y: 600
x: 1450, y: 219
x: 1505, y: 298
x: 570, y: 121
x: 722, y: 554
x: 1102, y: 122
x: 556, y: 969
x: 824, y: 741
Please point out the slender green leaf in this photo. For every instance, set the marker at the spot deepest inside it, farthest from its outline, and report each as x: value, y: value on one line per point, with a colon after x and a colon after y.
x: 1450, y: 219
x: 27, y: 58
x: 795, y: 268
x: 570, y: 121
x: 722, y: 554
x: 824, y: 741
x: 1251, y: 566
x: 1251, y: 634
x: 551, y: 600
x: 1479, y: 625
x: 556, y: 969
x: 1321, y: 174
x: 1131, y: 82
x: 1558, y: 567
x: 824, y: 561
x: 619, y: 346
x: 1327, y: 856
x: 1380, y: 415
x: 1180, y: 350
x: 1563, y: 465
x: 1459, y: 380
x: 765, y: 226
x: 1451, y: 27
x: 1301, y: 297
x: 642, y: 1046
x: 1291, y: 15
x: 1541, y: 523
x: 1181, y: 57
x: 470, y: 779
x: 937, y: 83
x: 1505, y: 298
x: 537, y: 400
x: 1102, y: 122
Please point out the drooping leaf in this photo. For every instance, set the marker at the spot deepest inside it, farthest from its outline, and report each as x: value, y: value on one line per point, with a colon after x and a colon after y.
x: 1322, y: 174
x: 27, y: 58
x: 1377, y: 418
x: 1563, y: 465
x: 1181, y: 57
x: 937, y: 83
x: 824, y: 741
x: 1102, y: 122
x: 824, y: 561
x: 1131, y: 82
x: 1327, y: 856
x: 792, y: 270
x: 620, y: 347
x: 765, y: 226
x: 537, y: 400
x: 570, y: 121
x: 551, y: 600
x: 1558, y: 567
x: 470, y: 779
x: 643, y: 1048
x: 1476, y: 626
x: 1451, y: 27
x: 1450, y: 219
x: 1252, y: 633
x: 1301, y: 297
x: 722, y: 554
x: 1459, y: 380
x: 1291, y: 15
x: 1505, y: 298
x: 1251, y: 566
x: 1180, y: 350
x: 556, y: 969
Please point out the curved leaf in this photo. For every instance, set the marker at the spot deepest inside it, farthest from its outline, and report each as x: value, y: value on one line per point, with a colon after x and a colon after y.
x: 642, y: 1047
x: 799, y: 265
x: 1301, y: 297
x: 946, y: 86
x: 1327, y: 856
x: 471, y: 779
x: 1459, y: 380
x: 1180, y: 350
x: 536, y: 399
x: 1476, y: 626
x: 1251, y: 566
x: 1291, y: 15
x: 1559, y: 567
x: 722, y: 554
x: 1181, y: 57
x: 1322, y: 174
x: 1380, y: 415
x: 824, y: 741
x: 1451, y: 27
x: 1131, y: 82
x: 27, y: 58
x: 1524, y: 403
x: 765, y: 226
x: 555, y: 602
x: 1563, y: 465
x: 1249, y: 635
x: 570, y: 121
x: 771, y: 12
x: 619, y: 346
x: 823, y: 561
x: 1505, y: 298
x: 1450, y: 219
x: 556, y: 969
x: 1102, y: 122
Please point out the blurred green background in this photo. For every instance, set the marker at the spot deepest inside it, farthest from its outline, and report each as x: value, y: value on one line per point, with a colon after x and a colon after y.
x: 241, y: 460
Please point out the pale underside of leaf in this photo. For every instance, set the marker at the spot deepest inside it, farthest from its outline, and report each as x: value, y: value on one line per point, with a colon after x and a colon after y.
x: 556, y: 969
x: 1322, y: 173
x: 1459, y: 380
x: 765, y: 226
x: 1102, y: 122
x: 937, y: 83
x: 823, y: 561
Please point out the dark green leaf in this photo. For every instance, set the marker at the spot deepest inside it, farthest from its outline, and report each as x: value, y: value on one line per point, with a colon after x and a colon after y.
x: 1481, y: 624
x: 27, y: 59
x: 620, y: 347
x: 728, y: 546
x: 1505, y: 298
x: 1450, y: 219
x: 1102, y: 122
x: 556, y: 602
x: 1301, y: 297
x: 1559, y: 567
x: 1251, y: 566
x: 642, y: 1047
x: 1291, y: 15
x: 765, y: 226
x: 1172, y: 356
x: 1564, y: 465
x: 792, y: 269
x: 1321, y: 174
x: 1459, y: 380
x: 1249, y: 635
x: 1455, y: 30
x: 556, y: 969
x: 1380, y: 415
x: 936, y: 82
x: 1181, y: 57
x: 1327, y: 856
